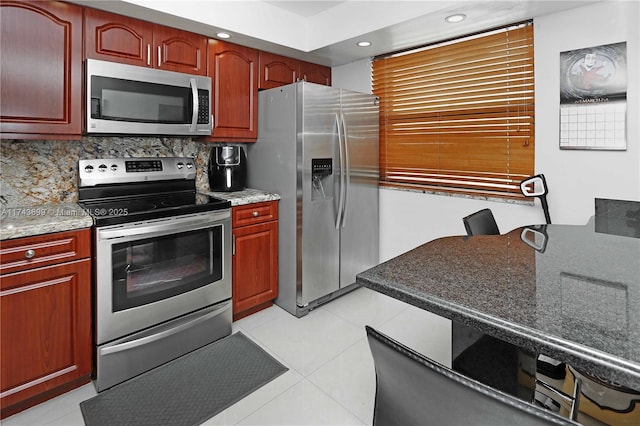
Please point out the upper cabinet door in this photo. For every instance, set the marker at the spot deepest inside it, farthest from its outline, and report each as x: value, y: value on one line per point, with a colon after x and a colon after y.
x: 314, y: 73
x: 177, y: 50
x: 276, y: 70
x: 234, y: 79
x: 41, y: 62
x: 112, y: 37
x: 117, y: 38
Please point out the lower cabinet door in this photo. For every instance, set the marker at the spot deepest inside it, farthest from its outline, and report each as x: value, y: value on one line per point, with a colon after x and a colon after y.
x: 255, y: 267
x: 46, y: 333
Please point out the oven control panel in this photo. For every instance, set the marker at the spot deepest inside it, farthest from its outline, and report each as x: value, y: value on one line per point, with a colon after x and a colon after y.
x: 137, y: 166
x: 126, y: 170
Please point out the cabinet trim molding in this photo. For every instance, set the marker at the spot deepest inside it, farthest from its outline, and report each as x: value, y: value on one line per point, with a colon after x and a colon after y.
x: 35, y: 286
x: 38, y: 381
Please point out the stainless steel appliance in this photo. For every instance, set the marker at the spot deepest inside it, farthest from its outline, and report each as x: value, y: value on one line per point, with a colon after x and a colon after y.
x: 318, y: 149
x: 162, y: 263
x: 128, y: 99
x: 227, y: 168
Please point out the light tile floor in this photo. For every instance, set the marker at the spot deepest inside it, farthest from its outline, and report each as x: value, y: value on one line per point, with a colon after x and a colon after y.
x: 331, y: 378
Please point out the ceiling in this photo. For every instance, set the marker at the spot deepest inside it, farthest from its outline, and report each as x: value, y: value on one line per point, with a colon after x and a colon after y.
x: 326, y: 32
x: 304, y: 8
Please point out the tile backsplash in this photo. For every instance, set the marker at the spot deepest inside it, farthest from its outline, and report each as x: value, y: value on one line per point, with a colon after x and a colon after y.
x: 37, y: 172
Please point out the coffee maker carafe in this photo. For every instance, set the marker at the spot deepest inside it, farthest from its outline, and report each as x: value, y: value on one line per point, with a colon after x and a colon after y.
x: 227, y: 168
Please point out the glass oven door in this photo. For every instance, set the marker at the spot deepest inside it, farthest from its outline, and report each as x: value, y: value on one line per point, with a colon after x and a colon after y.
x: 156, y: 268
x: 153, y: 271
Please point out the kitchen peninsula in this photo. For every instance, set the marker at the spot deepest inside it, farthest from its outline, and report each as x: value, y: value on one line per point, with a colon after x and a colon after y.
x: 569, y: 292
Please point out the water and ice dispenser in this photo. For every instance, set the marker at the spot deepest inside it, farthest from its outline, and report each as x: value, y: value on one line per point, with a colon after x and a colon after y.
x: 321, y: 178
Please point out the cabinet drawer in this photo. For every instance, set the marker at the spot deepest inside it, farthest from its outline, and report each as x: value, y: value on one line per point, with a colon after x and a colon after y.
x: 43, y: 250
x: 252, y: 214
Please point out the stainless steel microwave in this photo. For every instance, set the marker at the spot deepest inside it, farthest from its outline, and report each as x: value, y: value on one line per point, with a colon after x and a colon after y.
x: 128, y: 99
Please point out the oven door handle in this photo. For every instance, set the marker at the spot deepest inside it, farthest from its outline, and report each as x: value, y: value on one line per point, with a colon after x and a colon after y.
x: 161, y: 335
x: 170, y: 226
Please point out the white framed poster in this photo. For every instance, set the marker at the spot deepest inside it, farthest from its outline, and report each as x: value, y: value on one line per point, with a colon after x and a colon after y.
x: 593, y: 98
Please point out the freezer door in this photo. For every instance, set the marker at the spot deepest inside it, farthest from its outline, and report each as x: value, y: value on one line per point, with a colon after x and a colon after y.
x: 272, y: 167
x: 359, y: 238
x: 318, y: 189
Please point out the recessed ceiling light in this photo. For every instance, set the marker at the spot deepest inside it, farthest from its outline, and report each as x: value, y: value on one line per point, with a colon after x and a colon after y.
x: 224, y: 35
x: 364, y: 43
x: 458, y: 17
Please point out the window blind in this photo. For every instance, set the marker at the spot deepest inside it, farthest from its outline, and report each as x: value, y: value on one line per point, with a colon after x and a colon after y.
x: 459, y: 116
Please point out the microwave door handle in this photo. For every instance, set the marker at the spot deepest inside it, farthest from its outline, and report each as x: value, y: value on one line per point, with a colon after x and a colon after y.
x: 196, y: 106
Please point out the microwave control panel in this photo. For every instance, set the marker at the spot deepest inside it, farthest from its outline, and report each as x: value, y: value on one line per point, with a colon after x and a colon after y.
x: 203, y: 107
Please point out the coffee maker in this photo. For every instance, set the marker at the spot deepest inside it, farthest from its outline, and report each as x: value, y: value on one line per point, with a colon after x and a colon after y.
x: 227, y: 168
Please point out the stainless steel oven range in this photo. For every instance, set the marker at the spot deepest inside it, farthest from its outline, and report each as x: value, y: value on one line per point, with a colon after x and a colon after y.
x: 162, y: 264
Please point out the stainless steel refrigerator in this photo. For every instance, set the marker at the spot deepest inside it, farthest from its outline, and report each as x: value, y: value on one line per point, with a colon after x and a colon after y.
x: 318, y: 148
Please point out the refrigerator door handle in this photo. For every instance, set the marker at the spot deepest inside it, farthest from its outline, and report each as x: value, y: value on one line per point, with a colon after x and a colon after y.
x: 341, y: 175
x: 347, y: 170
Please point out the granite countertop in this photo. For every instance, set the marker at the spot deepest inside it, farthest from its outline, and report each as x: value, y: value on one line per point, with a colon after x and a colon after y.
x: 37, y: 220
x: 570, y: 292
x: 247, y: 196
x: 28, y: 221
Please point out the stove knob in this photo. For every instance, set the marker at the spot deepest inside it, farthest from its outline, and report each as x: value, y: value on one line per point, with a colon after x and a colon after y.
x: 88, y: 169
x: 179, y: 165
x: 102, y: 167
x: 114, y: 167
x: 189, y: 165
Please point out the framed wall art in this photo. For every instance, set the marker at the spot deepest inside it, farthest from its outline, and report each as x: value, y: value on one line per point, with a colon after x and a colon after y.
x: 593, y: 98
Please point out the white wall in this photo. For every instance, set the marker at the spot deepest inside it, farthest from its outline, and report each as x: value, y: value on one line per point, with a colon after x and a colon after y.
x: 580, y: 176
x: 575, y: 178
x: 354, y: 76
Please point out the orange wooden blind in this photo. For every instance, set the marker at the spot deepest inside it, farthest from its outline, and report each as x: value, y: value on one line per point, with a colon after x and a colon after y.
x: 459, y: 116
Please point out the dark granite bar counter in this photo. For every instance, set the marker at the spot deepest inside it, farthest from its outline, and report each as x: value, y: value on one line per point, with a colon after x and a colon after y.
x: 569, y: 292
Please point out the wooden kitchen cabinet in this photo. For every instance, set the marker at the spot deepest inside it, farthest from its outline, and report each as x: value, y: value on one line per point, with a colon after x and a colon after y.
x: 41, y: 62
x: 234, y: 79
x: 117, y: 38
x: 255, y: 257
x: 276, y: 70
x: 178, y: 50
x: 315, y: 73
x: 111, y: 37
x: 46, y: 320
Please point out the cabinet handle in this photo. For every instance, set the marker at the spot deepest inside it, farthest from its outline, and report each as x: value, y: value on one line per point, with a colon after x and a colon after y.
x: 256, y: 214
x: 159, y: 57
x: 29, y: 254
x: 233, y: 245
x: 149, y: 54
